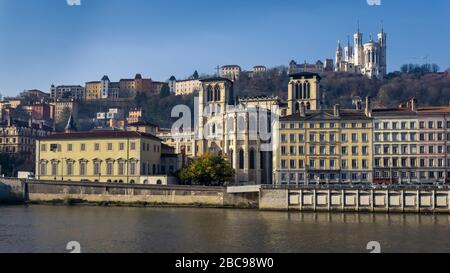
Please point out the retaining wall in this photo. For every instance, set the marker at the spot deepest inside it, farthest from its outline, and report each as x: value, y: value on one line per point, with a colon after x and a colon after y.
x: 137, y: 194
x: 357, y: 200
x: 11, y: 191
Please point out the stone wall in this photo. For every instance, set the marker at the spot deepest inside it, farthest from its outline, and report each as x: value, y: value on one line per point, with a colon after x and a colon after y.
x: 137, y: 194
x: 11, y: 191
x: 417, y: 200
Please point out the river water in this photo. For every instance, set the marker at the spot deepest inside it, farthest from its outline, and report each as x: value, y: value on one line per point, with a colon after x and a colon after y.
x: 167, y: 230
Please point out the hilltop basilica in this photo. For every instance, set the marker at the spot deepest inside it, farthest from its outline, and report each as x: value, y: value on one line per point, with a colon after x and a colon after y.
x: 368, y: 59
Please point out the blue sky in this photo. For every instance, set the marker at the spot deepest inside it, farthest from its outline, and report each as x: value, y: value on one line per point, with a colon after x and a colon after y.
x: 46, y: 41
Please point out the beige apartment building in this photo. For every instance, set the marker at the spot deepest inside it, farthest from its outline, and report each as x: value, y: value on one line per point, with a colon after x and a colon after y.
x: 98, y: 156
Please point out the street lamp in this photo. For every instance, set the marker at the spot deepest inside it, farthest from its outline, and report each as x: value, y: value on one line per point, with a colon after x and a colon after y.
x: 148, y: 171
x: 62, y: 168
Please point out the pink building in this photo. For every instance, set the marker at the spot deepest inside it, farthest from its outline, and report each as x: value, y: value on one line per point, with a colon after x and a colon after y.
x: 434, y: 144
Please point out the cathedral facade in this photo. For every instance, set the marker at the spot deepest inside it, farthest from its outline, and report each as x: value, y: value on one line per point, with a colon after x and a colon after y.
x: 237, y: 129
x: 369, y: 59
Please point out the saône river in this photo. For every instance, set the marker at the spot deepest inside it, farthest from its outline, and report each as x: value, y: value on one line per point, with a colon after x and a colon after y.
x: 166, y: 230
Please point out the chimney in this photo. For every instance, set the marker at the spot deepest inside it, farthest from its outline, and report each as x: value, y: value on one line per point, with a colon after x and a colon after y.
x: 368, y: 111
x: 302, y: 110
x: 10, y: 120
x: 337, y: 110
x: 413, y: 105
x: 359, y: 105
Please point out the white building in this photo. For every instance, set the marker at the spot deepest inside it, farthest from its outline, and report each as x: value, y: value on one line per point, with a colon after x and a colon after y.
x: 75, y: 92
x: 185, y: 87
x: 369, y: 59
x: 231, y: 72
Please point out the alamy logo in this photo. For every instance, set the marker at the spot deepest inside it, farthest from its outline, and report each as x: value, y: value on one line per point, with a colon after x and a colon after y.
x: 374, y: 2
x: 73, y: 2
x: 74, y: 247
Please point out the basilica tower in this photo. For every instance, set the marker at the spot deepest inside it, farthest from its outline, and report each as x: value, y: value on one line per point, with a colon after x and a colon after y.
x: 359, y: 49
x: 339, y: 57
x: 382, y: 39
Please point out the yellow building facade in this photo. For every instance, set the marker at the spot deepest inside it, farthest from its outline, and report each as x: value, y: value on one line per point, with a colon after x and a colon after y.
x: 93, y: 90
x: 322, y: 145
x: 98, y: 156
x: 325, y: 147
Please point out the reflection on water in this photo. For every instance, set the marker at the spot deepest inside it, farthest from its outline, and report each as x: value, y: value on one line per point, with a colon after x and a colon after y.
x: 48, y: 229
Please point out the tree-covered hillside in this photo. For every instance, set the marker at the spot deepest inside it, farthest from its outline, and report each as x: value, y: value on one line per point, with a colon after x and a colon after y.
x: 339, y: 88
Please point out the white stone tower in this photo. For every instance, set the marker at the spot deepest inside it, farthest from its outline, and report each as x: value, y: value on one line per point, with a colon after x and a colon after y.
x: 382, y: 40
x: 359, y: 49
x: 339, y: 57
x: 348, y: 52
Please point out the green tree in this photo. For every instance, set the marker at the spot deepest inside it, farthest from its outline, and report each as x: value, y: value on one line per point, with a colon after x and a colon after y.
x: 207, y: 170
x: 195, y: 75
x: 62, y: 122
x: 165, y: 91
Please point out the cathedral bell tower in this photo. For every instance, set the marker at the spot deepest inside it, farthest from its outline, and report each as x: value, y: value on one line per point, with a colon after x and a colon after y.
x: 303, y: 91
x: 214, y: 96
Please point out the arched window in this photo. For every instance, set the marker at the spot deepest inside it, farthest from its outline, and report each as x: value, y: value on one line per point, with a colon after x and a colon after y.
x: 304, y: 91
x: 241, y: 159
x: 209, y: 92
x: 230, y: 125
x: 308, y: 90
x: 241, y: 124
x: 293, y: 87
x: 251, y: 159
x: 308, y: 106
x: 43, y: 169
x: 132, y: 182
x: 217, y: 93
x: 297, y: 91
x: 302, y: 95
x: 253, y: 123
x: 159, y: 182
x: 297, y: 107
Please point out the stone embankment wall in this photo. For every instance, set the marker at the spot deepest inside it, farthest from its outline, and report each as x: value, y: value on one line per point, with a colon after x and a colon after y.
x: 417, y: 200
x: 11, y: 191
x: 387, y: 200
x: 52, y: 192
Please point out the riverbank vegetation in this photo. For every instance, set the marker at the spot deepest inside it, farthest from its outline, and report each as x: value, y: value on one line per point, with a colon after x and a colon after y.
x: 207, y: 170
